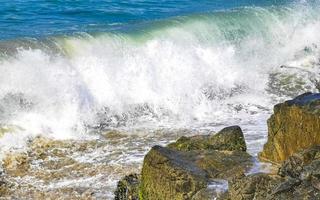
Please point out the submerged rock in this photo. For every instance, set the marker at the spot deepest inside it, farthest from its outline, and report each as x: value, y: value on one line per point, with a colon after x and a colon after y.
x: 294, y: 126
x: 54, y: 168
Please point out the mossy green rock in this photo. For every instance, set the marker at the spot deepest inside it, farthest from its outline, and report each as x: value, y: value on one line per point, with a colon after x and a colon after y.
x: 294, y: 126
x: 169, y: 174
x: 229, y: 139
x: 172, y: 174
x: 183, y: 169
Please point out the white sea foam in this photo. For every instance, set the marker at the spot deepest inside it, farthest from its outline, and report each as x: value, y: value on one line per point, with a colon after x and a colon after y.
x: 183, y: 72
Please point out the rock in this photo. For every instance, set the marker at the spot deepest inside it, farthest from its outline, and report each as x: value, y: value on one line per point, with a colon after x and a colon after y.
x: 169, y: 174
x: 296, y: 164
x: 298, y: 178
x: 200, y: 142
x: 256, y: 186
x: 229, y: 139
x: 114, y: 134
x: 4, y: 185
x: 222, y: 164
x: 16, y: 164
x: 294, y: 126
x: 271, y: 187
x: 286, y: 185
x: 185, y: 168
x: 128, y: 188
x: 210, y: 194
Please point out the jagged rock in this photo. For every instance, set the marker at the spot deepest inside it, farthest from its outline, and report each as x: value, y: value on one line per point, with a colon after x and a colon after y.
x: 298, y: 178
x: 256, y: 186
x: 229, y: 139
x: 286, y: 185
x: 128, y: 188
x: 294, y: 126
x: 296, y: 164
x: 271, y: 187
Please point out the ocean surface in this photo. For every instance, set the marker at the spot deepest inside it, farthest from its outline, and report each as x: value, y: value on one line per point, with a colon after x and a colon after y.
x: 73, y: 69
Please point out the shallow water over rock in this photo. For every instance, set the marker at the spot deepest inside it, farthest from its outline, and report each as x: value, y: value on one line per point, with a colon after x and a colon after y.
x: 89, y: 169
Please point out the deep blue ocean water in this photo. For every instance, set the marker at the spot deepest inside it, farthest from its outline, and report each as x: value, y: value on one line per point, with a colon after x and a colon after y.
x: 41, y: 18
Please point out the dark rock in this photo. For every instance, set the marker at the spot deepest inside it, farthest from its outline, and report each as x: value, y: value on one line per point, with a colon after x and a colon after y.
x: 286, y: 185
x: 297, y: 164
x: 256, y: 186
x: 128, y: 188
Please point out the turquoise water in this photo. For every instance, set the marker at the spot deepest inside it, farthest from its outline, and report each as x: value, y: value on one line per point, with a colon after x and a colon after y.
x: 40, y: 18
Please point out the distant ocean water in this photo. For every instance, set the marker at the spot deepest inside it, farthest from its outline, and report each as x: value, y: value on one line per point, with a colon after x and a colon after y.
x: 42, y: 18
x: 73, y: 68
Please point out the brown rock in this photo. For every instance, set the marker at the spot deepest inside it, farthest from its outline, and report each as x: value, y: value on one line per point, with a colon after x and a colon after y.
x: 294, y: 126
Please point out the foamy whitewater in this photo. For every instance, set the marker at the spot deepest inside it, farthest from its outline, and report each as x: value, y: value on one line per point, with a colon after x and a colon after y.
x: 199, y: 71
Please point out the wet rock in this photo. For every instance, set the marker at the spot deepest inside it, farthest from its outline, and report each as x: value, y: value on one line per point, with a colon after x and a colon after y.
x: 169, y: 173
x: 16, y: 164
x: 114, y: 135
x: 271, y: 187
x: 222, y: 164
x: 256, y: 186
x: 128, y: 188
x: 4, y: 185
x: 297, y: 164
x: 209, y: 194
x: 294, y: 126
x: 286, y: 185
x: 60, y: 168
x: 298, y: 178
x: 229, y: 139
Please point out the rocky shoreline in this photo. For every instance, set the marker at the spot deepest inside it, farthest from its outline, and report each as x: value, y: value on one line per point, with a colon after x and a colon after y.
x: 184, y: 169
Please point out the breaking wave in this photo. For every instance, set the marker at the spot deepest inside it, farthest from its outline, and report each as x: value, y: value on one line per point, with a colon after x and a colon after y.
x: 185, y: 71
